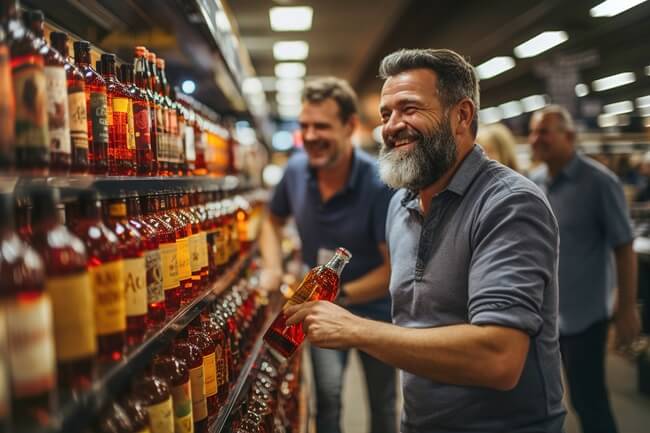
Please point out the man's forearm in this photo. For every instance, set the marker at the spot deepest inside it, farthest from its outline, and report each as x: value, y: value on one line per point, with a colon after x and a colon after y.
x: 271, y: 244
x: 626, y: 269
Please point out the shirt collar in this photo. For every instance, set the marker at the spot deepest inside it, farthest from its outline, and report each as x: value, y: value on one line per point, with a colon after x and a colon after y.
x: 354, y: 176
x: 571, y: 169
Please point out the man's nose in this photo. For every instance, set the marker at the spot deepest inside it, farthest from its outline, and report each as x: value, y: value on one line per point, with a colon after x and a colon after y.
x: 393, y: 125
x: 309, y: 133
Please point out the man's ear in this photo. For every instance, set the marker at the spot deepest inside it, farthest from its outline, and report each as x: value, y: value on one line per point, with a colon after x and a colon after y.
x: 352, y: 124
x: 463, y: 116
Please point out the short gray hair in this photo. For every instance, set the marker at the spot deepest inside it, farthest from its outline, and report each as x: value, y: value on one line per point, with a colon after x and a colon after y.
x: 456, y: 76
x: 566, y: 119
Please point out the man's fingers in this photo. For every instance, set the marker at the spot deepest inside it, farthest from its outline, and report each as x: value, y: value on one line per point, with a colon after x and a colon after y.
x: 297, y: 313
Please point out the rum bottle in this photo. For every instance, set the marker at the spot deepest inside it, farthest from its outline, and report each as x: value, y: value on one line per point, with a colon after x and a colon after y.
x: 143, y: 82
x: 170, y: 116
x: 193, y: 358
x: 76, y: 106
x: 29, y: 324
x: 7, y: 100
x: 322, y: 282
x: 97, y: 109
x: 107, y: 276
x: 120, y: 156
x: 155, y: 395
x: 175, y: 372
x: 69, y: 287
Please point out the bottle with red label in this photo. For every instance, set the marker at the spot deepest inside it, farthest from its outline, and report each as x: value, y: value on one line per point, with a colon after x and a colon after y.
x: 174, y: 370
x: 183, y: 232
x: 193, y: 357
x: 7, y: 100
x: 69, y: 287
x: 107, y: 277
x: 97, y: 109
x: 135, y: 270
x: 143, y: 82
x: 141, y: 121
x: 76, y: 106
x: 31, y: 139
x: 155, y: 395
x: 29, y: 324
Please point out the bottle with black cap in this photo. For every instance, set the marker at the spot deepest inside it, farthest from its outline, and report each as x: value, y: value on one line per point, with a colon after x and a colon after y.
x: 69, y: 287
x: 29, y: 323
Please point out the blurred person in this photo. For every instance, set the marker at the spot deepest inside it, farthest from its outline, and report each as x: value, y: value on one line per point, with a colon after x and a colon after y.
x: 334, y: 193
x: 499, y: 144
x: 473, y: 249
x: 592, y: 215
x: 643, y: 194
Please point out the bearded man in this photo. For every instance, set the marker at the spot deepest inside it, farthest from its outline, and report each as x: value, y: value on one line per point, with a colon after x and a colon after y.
x: 473, y: 249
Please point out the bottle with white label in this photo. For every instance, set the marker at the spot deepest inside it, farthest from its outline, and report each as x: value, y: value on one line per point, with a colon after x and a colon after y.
x: 156, y: 397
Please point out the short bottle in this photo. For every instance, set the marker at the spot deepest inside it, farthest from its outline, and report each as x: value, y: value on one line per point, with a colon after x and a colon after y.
x: 156, y: 397
x: 193, y: 358
x: 201, y: 339
x: 322, y: 282
x: 177, y: 375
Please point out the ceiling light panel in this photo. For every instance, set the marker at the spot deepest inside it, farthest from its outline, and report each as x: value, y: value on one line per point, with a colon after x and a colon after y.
x: 290, y: 70
x: 289, y: 85
x: 290, y: 50
x: 533, y: 102
x: 581, y: 90
x: 540, y: 43
x: 613, y: 81
x: 511, y: 109
x: 610, y: 8
x: 494, y: 67
x: 490, y: 115
x: 291, y: 18
x: 619, y: 107
x: 291, y: 98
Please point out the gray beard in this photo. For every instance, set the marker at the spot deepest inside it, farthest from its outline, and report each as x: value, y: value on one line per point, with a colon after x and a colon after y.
x: 431, y: 157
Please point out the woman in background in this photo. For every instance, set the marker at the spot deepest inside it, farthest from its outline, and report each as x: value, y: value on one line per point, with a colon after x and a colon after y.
x: 499, y: 144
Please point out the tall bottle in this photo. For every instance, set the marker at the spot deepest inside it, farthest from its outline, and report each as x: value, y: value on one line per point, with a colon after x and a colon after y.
x: 162, y: 116
x: 183, y: 232
x: 202, y: 340
x: 175, y: 372
x: 171, y: 117
x: 107, y: 276
x: 69, y: 287
x: 126, y: 76
x: 322, y: 282
x: 216, y: 333
x: 32, y: 141
x: 7, y: 100
x: 147, y: 143
x: 76, y: 105
x: 97, y: 109
x: 121, y: 157
x: 198, y: 246
x: 193, y: 358
x: 135, y: 270
x: 58, y: 122
x: 156, y: 398
x: 29, y: 324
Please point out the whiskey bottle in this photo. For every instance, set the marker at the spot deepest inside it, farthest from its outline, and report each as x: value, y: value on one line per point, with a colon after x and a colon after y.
x: 202, y: 340
x: 120, y: 157
x: 177, y: 375
x: 144, y: 111
x: 156, y: 397
x: 193, y: 358
x: 7, y: 100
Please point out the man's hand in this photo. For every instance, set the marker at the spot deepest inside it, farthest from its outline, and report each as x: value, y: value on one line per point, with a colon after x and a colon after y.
x: 325, y: 324
x: 628, y: 326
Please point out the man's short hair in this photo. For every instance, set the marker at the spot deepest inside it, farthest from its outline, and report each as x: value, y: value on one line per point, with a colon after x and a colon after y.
x: 320, y: 89
x: 456, y: 76
x: 566, y: 120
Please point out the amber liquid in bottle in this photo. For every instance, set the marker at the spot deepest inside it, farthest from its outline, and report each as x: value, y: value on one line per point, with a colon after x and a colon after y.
x: 198, y: 207
x: 158, y: 114
x: 321, y: 283
x: 198, y: 247
x: 153, y: 261
x: 201, y: 339
x: 217, y: 319
x: 97, y: 109
x: 7, y: 100
x: 193, y: 358
x: 183, y: 232
x: 175, y: 372
x: 114, y: 419
x: 28, y: 324
x: 155, y: 395
x: 143, y: 108
x: 219, y: 339
x: 107, y: 275
x: 69, y: 287
x: 171, y: 118
x: 135, y: 271
x: 76, y: 106
x: 138, y: 416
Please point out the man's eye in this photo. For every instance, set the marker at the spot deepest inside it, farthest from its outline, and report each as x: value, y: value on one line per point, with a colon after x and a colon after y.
x: 410, y: 110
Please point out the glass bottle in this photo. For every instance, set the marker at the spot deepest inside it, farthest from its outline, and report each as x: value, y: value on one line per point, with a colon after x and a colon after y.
x: 198, y: 207
x: 57, y: 96
x: 161, y: 115
x: 32, y: 141
x: 221, y: 236
x: 107, y: 276
x: 177, y: 375
x: 114, y: 420
x: 179, y: 132
x: 197, y: 245
x: 69, y: 287
x: 168, y: 252
x: 76, y: 105
x: 125, y: 75
x: 143, y: 82
x: 153, y: 261
x: 7, y: 100
x: 244, y: 225
x: 193, y: 358
x: 170, y: 116
x: 141, y: 122
x: 217, y: 318
x: 200, y: 145
x: 156, y: 398
x: 135, y: 271
x: 188, y: 143
x: 183, y: 232
x: 201, y: 338
x: 97, y: 109
x: 322, y: 282
x: 29, y: 324
x: 137, y: 413
x: 219, y: 339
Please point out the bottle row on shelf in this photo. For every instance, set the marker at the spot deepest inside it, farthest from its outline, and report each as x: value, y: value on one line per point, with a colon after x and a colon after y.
x: 61, y: 115
x: 86, y: 282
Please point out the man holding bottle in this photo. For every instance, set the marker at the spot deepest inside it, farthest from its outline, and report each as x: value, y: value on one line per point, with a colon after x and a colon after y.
x: 333, y: 192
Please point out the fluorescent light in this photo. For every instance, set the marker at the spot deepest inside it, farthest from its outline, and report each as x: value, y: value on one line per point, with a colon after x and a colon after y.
x: 533, y: 102
x: 613, y: 81
x: 290, y: 50
x: 289, y: 85
x: 644, y: 112
x: 188, y: 87
x: 291, y: 18
x: 222, y: 21
x: 582, y: 90
x: 643, y: 101
x: 511, y: 109
x: 540, y: 43
x: 619, y: 107
x: 289, y: 111
x: 288, y: 98
x: 607, y: 120
x: 490, y: 115
x: 610, y: 8
x: 252, y: 85
x: 494, y: 67
x: 290, y: 70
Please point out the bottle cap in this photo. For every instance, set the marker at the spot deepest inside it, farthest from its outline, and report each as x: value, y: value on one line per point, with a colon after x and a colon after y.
x: 344, y: 253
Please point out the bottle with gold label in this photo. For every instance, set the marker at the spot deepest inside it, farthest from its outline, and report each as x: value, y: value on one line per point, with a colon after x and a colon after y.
x: 126, y: 77
x: 168, y: 257
x: 155, y: 395
x: 193, y: 358
x: 197, y: 205
x: 70, y: 289
x: 177, y: 375
x: 153, y: 261
x: 29, y: 324
x: 137, y: 413
x: 216, y: 333
x: 202, y: 339
x: 183, y: 232
x: 135, y: 270
x: 107, y: 276
x: 196, y: 244
x: 187, y: 295
x: 210, y: 228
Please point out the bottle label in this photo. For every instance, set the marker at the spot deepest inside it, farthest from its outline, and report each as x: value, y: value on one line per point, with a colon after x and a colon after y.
x: 305, y: 290
x: 160, y: 132
x: 168, y: 254
x: 183, y: 251
x: 203, y: 249
x: 135, y: 286
x: 221, y: 366
x: 155, y: 291
x: 29, y: 331
x: 110, y: 303
x: 142, y: 125
x: 182, y: 397
x: 78, y: 119
x: 31, y: 109
x: 190, y: 154
x: 98, y: 114
x: 199, y: 405
x: 195, y: 252
x: 210, y: 372
x: 7, y: 104
x: 57, y: 109
x: 117, y: 210
x: 221, y: 242
x: 130, y: 143
x: 74, y: 320
x: 161, y: 418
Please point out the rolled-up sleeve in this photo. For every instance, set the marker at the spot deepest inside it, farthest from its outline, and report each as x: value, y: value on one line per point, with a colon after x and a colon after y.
x: 279, y: 204
x: 514, y: 259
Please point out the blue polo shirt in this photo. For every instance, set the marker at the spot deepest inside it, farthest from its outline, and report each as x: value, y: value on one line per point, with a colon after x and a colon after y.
x: 354, y: 218
x: 590, y: 207
x: 485, y: 254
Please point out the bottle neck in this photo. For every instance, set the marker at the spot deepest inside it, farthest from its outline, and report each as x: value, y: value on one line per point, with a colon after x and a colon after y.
x: 337, y: 263
x: 82, y: 56
x: 150, y: 205
x: 133, y: 207
x: 61, y: 46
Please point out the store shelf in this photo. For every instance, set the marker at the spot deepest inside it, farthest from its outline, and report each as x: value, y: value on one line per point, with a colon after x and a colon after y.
x: 74, y: 414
